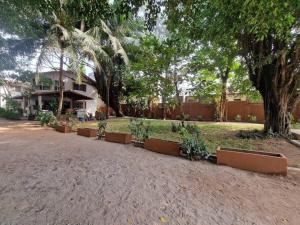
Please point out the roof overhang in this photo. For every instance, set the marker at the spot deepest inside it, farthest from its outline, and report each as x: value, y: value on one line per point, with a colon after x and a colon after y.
x: 68, y: 93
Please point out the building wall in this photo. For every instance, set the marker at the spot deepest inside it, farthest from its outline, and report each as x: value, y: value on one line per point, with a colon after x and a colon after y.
x: 69, y: 78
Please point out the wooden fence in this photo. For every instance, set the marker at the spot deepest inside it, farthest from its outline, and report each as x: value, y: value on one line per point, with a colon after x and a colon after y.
x: 207, y: 111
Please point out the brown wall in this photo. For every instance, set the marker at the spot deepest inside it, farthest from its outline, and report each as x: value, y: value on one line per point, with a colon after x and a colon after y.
x: 207, y: 111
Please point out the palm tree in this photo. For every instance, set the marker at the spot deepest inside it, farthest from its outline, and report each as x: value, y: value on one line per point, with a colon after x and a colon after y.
x: 101, y: 46
x: 57, y: 40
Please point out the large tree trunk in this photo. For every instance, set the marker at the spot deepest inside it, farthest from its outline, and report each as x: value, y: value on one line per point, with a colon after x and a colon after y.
x: 111, y: 95
x: 279, y: 100
x: 274, y: 71
x: 61, y: 86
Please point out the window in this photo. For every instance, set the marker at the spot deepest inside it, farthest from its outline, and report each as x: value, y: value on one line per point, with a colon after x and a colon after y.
x: 79, y: 87
x: 56, y: 85
x: 44, y: 87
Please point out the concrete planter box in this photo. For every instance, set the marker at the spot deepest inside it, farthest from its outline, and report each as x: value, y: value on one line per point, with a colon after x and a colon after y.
x: 63, y: 129
x: 162, y: 146
x: 118, y: 137
x: 87, y: 132
x: 263, y: 162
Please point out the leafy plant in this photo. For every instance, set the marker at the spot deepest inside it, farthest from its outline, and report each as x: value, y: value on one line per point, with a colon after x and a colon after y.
x: 199, y: 117
x: 46, y: 118
x: 238, y: 118
x: 9, y: 114
x: 99, y: 115
x: 101, y: 128
x: 70, y: 120
x: 252, y: 118
x: 192, y: 128
x: 140, y: 129
x: 193, y: 145
x: 174, y: 127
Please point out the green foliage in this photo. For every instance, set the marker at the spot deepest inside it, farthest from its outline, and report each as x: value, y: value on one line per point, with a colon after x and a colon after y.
x: 10, y: 115
x: 100, y: 115
x: 193, y: 144
x: 53, y: 105
x: 140, y: 129
x: 70, y: 120
x: 252, y: 118
x: 174, y: 127
x: 46, y: 118
x: 101, y: 128
x: 199, y: 117
x: 183, y: 117
x: 238, y: 118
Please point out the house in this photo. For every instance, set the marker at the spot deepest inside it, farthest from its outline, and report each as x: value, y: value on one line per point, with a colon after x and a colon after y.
x: 45, y: 91
x: 12, y: 89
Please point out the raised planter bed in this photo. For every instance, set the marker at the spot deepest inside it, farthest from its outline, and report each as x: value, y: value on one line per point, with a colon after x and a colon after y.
x: 118, y: 137
x: 162, y: 146
x: 63, y: 129
x: 87, y: 132
x: 263, y: 162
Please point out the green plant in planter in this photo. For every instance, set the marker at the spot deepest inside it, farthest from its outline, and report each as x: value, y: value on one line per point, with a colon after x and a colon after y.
x: 193, y: 145
x: 70, y: 120
x: 140, y: 129
x: 101, y: 128
x: 46, y: 118
x: 238, y: 118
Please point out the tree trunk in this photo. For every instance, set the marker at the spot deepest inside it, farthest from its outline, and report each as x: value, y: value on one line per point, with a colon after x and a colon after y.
x: 279, y: 100
x: 222, y: 106
x: 110, y: 96
x: 61, y: 86
x: 108, y: 81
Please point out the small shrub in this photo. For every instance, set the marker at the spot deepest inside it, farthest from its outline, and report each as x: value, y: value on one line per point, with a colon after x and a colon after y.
x: 193, y: 145
x: 140, y: 129
x: 238, y: 118
x: 174, y: 127
x: 199, y: 118
x: 192, y: 128
x: 70, y: 120
x: 183, y: 117
x: 46, y: 118
x: 252, y: 118
x: 100, y: 115
x: 101, y: 128
x: 9, y: 114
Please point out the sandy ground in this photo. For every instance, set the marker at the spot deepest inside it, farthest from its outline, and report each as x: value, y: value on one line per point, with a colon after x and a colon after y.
x: 58, y: 179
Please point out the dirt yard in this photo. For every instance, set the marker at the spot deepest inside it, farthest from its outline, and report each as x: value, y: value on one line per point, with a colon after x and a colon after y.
x: 64, y: 179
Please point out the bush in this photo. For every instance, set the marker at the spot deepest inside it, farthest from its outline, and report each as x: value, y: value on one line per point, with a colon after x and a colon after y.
x: 10, y: 115
x: 100, y: 115
x: 140, y: 129
x: 183, y: 117
x: 193, y: 145
x: 199, y: 118
x: 252, y: 118
x: 46, y: 118
x: 101, y: 128
x: 70, y: 120
x: 174, y: 127
x: 238, y: 118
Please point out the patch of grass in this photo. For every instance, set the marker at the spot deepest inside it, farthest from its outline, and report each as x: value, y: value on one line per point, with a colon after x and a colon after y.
x: 296, y: 125
x: 215, y: 134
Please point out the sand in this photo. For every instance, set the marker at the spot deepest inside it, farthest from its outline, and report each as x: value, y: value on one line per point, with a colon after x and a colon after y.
x: 57, y: 179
